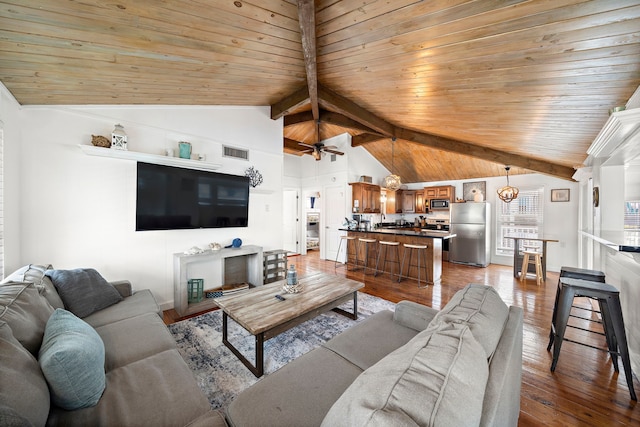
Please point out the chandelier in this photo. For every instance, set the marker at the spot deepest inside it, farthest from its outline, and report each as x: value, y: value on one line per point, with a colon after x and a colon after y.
x: 508, y: 193
x: 392, y: 182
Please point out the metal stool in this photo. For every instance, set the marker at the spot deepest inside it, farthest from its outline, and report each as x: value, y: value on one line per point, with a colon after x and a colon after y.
x: 537, y: 258
x: 609, y: 298
x: 421, y: 249
x: 575, y: 273
x: 386, y: 246
x: 346, y: 249
x: 366, y: 243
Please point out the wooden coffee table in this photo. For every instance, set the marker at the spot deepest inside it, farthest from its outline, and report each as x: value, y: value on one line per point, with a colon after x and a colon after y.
x: 263, y: 315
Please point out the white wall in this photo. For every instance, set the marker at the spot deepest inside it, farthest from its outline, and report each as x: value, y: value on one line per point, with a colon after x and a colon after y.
x: 79, y: 210
x: 10, y: 118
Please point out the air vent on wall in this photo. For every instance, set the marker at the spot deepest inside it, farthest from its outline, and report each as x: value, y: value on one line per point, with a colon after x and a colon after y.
x: 236, y: 153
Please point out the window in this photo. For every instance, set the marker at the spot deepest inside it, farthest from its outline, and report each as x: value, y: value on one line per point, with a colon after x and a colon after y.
x: 523, y: 216
x: 632, y: 215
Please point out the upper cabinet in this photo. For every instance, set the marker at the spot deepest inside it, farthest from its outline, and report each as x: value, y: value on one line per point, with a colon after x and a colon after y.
x: 420, y: 201
x: 408, y: 201
x: 440, y: 192
x: 393, y: 202
x: 365, y: 197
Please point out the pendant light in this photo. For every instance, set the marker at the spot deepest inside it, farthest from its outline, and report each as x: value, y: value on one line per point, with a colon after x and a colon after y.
x: 392, y: 182
x: 508, y: 193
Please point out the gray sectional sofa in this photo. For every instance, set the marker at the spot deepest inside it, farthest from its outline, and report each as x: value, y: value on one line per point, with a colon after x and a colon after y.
x: 460, y: 366
x: 144, y: 381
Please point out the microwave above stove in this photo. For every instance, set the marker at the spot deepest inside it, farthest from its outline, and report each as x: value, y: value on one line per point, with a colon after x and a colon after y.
x: 441, y: 204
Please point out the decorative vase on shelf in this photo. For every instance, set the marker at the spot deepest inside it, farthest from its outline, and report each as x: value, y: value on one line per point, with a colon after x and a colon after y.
x: 478, y: 197
x: 184, y: 150
x: 118, y: 138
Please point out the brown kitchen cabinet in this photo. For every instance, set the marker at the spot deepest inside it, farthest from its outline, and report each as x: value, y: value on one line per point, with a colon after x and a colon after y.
x: 393, y: 204
x: 408, y: 201
x: 419, y: 201
x: 367, y: 197
x: 440, y: 192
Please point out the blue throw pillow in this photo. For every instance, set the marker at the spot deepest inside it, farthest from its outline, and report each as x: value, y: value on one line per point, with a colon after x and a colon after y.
x: 72, y: 360
x: 83, y: 290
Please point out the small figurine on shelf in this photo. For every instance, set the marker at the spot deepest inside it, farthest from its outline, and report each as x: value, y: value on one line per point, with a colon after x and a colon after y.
x: 119, y: 138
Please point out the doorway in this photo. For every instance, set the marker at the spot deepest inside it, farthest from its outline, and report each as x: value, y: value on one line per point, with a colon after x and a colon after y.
x: 291, y: 221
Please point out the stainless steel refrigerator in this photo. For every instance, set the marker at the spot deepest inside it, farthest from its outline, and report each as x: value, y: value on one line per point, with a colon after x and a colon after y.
x: 470, y: 222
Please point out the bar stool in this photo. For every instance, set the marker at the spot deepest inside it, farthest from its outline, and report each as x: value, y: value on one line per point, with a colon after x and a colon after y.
x: 609, y: 298
x: 575, y: 273
x: 366, y: 242
x: 346, y: 239
x: 386, y: 245
x: 537, y: 259
x: 421, y: 249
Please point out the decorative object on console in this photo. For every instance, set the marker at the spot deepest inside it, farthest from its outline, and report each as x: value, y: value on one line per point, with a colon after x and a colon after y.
x: 560, y: 195
x: 215, y: 246
x: 184, y: 150
x: 292, y: 286
x: 471, y: 189
x: 100, y: 141
x: 194, y: 250
x: 508, y: 193
x: 392, y: 182
x: 236, y: 243
x: 195, y: 290
x: 255, y: 177
x: 119, y: 138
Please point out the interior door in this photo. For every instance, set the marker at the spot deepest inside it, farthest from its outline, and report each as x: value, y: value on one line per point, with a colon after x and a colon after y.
x: 290, y: 221
x: 334, y: 206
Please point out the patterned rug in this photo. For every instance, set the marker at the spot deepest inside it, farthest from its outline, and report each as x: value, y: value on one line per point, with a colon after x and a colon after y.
x: 221, y: 376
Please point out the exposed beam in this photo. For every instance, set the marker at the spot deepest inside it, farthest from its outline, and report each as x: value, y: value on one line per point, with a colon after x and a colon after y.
x: 291, y: 102
x: 365, y: 138
x: 344, y: 121
x: 295, y: 119
x: 307, y: 21
x: 332, y: 101
x: 485, y: 153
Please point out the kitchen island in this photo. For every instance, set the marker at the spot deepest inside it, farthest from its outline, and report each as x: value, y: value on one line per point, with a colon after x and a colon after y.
x: 432, y: 238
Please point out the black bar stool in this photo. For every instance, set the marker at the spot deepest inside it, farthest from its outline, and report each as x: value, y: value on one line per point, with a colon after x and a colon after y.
x: 421, y: 251
x: 366, y: 242
x: 609, y: 298
x: 386, y: 245
x: 345, y: 239
x: 574, y: 273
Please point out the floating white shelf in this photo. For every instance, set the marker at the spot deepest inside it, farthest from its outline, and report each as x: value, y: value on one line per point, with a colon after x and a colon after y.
x: 148, y: 158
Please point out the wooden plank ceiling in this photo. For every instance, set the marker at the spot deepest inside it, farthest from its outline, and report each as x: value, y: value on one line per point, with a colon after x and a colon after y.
x: 465, y: 86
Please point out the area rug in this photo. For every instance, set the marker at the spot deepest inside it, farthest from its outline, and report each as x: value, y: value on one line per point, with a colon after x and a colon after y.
x: 221, y: 376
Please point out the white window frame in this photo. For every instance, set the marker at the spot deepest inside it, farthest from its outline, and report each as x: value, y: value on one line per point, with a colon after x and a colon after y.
x: 523, y: 216
x: 632, y: 215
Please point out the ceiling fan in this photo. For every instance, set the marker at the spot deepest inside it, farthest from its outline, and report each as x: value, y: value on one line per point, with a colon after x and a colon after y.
x: 318, y: 148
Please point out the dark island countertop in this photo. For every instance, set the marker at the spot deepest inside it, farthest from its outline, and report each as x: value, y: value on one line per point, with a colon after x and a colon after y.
x: 432, y: 234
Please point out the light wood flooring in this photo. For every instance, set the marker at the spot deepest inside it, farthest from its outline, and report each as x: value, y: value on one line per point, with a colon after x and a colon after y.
x: 584, y: 390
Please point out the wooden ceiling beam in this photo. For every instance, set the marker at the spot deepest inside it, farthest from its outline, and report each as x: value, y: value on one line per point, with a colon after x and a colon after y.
x: 365, y: 138
x: 307, y: 21
x: 332, y: 101
x: 291, y: 102
x: 345, y: 122
x: 296, y: 119
x: 485, y: 153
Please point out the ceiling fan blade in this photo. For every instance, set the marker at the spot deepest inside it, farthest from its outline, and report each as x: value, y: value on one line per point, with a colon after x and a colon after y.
x: 332, y: 147
x: 339, y: 153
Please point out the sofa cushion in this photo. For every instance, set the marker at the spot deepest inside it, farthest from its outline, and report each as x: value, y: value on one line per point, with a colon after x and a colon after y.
x: 157, y: 391
x: 141, y: 302
x: 84, y: 290
x: 26, y: 312
x: 438, y: 378
x: 72, y: 360
x: 35, y: 274
x: 133, y: 339
x: 23, y: 390
x: 481, y: 307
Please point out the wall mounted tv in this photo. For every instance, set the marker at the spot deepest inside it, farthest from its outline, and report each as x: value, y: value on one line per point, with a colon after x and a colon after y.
x: 170, y: 198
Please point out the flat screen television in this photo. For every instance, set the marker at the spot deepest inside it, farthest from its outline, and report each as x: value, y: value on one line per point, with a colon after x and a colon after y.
x: 171, y: 198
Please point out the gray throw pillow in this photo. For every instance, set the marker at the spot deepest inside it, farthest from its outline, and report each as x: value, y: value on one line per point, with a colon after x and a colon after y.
x: 83, y: 290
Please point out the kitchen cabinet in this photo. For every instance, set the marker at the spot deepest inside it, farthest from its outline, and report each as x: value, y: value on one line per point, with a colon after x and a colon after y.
x: 440, y: 192
x: 419, y: 201
x: 408, y: 201
x: 393, y: 204
x: 365, y: 197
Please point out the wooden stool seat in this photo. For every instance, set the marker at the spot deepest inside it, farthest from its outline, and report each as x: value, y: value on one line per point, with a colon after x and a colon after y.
x: 386, y: 246
x: 366, y: 242
x: 346, y: 257
x: 421, y: 250
x: 536, y: 257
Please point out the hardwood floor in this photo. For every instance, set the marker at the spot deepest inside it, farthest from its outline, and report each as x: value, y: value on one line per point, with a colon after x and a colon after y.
x: 584, y: 390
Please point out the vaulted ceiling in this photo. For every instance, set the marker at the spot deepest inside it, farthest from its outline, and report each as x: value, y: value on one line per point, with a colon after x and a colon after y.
x: 464, y: 86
